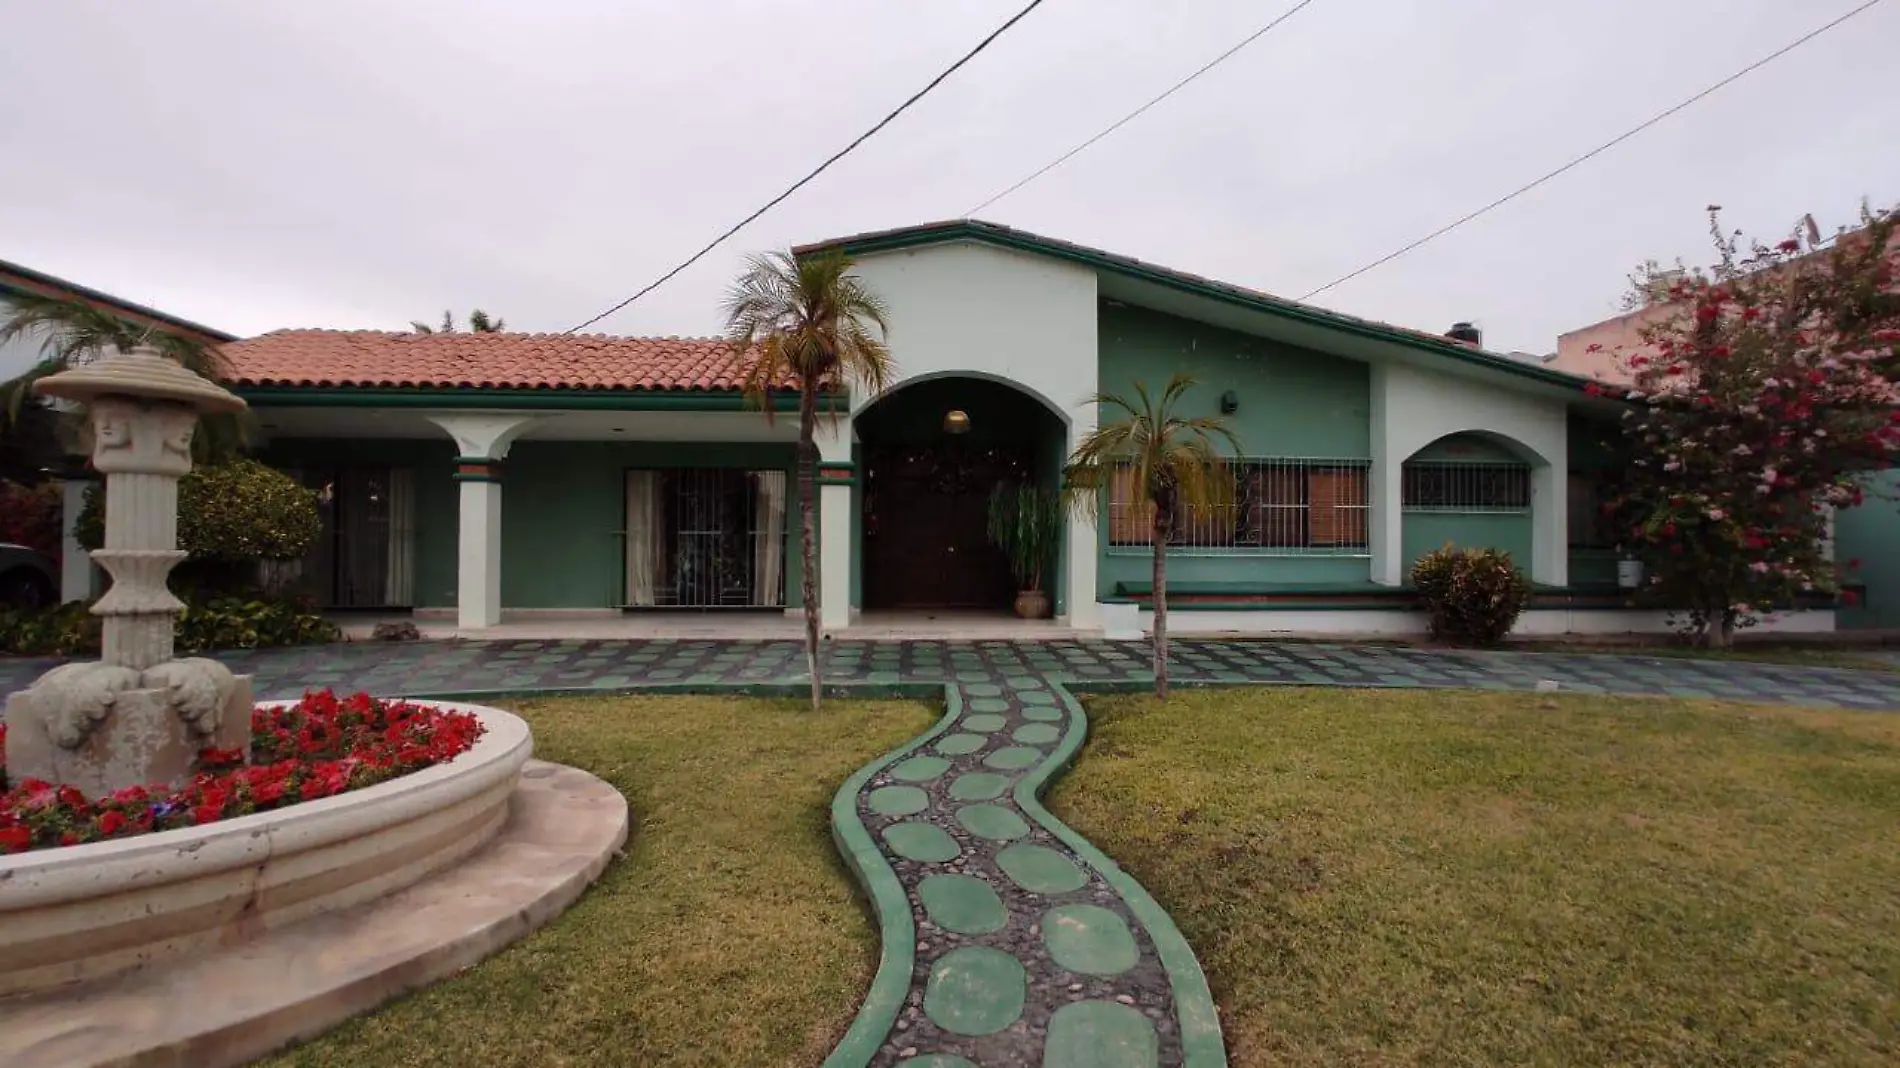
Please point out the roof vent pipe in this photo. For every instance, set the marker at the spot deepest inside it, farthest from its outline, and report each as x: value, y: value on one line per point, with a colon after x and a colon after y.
x: 1466, y: 333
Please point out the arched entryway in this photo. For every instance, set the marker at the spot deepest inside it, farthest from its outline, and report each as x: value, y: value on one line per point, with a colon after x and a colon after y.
x: 927, y: 478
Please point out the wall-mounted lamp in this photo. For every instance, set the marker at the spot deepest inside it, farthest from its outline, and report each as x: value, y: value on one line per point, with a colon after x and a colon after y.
x: 956, y: 421
x: 1229, y: 402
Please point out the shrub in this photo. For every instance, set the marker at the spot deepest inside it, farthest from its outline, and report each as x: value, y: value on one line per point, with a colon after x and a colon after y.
x: 210, y: 622
x: 237, y: 511
x: 1472, y: 596
x: 31, y: 515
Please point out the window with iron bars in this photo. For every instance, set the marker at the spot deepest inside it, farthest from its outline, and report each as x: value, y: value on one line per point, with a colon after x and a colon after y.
x: 1278, y: 506
x: 1452, y: 486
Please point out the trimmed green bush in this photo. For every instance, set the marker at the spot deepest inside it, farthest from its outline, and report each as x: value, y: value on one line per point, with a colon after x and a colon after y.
x: 1471, y: 596
x: 210, y: 622
x: 233, y: 512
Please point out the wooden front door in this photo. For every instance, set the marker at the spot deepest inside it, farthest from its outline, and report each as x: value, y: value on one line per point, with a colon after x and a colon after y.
x: 926, y: 543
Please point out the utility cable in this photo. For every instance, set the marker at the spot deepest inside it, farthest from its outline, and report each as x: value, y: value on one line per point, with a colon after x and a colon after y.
x: 1600, y: 149
x: 1131, y: 116
x: 820, y: 169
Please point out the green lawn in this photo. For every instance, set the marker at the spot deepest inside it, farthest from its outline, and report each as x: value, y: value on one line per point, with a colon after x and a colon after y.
x: 728, y: 935
x: 1436, y: 878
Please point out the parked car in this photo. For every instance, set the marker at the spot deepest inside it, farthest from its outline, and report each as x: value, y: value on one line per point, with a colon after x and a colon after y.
x: 28, y: 577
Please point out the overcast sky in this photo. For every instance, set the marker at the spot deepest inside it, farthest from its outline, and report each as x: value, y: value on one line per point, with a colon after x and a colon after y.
x: 359, y: 163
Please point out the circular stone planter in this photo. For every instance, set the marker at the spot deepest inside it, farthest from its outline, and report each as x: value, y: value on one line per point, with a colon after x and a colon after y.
x: 87, y: 911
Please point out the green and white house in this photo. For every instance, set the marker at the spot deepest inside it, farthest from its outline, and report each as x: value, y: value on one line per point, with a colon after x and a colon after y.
x: 503, y: 476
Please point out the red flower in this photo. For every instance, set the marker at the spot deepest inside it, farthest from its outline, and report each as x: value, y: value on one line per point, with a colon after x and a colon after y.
x: 1849, y: 597
x: 1790, y: 245
x: 1592, y: 389
x: 15, y: 839
x: 112, y: 822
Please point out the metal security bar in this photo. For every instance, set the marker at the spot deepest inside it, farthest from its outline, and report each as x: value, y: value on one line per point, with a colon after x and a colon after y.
x: 1452, y: 486
x: 705, y: 538
x: 1277, y: 506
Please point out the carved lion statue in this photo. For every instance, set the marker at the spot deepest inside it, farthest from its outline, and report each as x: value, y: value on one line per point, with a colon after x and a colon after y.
x: 197, y: 689
x: 80, y: 697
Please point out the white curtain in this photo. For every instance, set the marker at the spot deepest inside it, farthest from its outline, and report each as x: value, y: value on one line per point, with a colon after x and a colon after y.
x: 768, y: 538
x: 399, y: 582
x: 644, y: 544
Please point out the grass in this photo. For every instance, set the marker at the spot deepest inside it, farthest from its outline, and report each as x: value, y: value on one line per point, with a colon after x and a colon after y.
x: 729, y: 934
x: 1440, y: 878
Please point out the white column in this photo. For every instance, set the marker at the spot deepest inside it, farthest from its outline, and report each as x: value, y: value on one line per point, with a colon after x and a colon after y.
x: 837, y: 515
x: 482, y: 442
x: 1082, y: 542
x: 1385, y: 522
x: 1550, y: 522
x: 75, y: 564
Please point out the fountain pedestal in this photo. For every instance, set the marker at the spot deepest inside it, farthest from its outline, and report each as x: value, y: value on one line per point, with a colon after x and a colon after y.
x: 137, y: 716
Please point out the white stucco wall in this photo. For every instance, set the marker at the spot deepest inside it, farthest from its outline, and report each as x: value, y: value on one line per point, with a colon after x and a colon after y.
x: 1411, y: 408
x: 1029, y: 321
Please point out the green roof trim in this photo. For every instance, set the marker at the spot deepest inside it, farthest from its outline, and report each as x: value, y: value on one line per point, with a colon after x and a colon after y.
x: 623, y: 400
x: 1127, y: 266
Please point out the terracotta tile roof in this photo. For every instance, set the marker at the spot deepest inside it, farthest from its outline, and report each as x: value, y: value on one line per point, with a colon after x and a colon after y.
x: 377, y: 358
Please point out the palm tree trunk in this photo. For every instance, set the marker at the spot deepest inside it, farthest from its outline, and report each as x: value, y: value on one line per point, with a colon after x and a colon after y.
x: 1161, y: 532
x: 807, y: 522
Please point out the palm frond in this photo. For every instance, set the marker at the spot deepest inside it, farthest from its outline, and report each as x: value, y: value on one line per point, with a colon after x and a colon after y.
x: 1165, y: 455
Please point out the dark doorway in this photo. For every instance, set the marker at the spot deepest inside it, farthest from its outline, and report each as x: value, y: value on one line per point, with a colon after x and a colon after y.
x: 926, y: 490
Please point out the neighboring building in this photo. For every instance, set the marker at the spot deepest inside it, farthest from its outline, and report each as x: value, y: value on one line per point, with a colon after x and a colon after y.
x: 483, y: 474
x: 1869, y: 533
x: 20, y: 354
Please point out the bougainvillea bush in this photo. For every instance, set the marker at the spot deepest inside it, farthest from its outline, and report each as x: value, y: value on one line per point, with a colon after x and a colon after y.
x: 1760, y: 403
x: 317, y: 747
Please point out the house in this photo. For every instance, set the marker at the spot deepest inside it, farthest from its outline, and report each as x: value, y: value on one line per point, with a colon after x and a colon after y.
x: 492, y: 475
x: 18, y: 355
x: 1869, y: 534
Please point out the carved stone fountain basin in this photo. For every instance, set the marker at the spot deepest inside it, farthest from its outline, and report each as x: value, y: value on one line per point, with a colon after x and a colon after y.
x: 87, y: 911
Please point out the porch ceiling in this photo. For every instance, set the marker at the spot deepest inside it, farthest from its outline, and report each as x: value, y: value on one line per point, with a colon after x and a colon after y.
x: 404, y: 423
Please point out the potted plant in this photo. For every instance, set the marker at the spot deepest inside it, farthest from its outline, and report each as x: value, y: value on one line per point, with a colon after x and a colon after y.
x: 1025, y: 522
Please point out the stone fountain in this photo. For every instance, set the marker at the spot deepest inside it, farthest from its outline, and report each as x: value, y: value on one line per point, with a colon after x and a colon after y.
x: 136, y: 716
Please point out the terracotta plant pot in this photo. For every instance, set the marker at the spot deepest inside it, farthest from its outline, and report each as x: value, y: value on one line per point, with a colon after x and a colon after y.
x: 1032, y: 604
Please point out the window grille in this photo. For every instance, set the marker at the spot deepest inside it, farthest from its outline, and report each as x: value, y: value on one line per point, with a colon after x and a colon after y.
x: 705, y: 538
x: 1278, y: 506
x: 1439, y: 486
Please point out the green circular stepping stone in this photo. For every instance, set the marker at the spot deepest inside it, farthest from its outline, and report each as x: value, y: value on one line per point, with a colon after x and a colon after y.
x: 978, y: 786
x: 920, y: 769
x: 1089, y: 939
x: 983, y: 723
x: 1037, y: 733
x: 974, y: 990
x: 960, y: 744
x: 1040, y: 870
x: 925, y: 842
x: 898, y: 800
x: 993, y: 822
x: 986, y: 704
x: 1036, y: 697
x: 1013, y: 757
x: 1042, y: 712
x: 1100, y: 1034
x: 939, y: 1060
x: 1024, y: 682
x: 962, y: 903
x: 980, y: 689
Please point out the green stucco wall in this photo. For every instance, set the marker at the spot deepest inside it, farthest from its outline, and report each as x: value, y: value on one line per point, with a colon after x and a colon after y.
x: 1292, y: 403
x: 1424, y: 531
x: 1871, y: 534
x: 563, y: 504
x: 437, y: 498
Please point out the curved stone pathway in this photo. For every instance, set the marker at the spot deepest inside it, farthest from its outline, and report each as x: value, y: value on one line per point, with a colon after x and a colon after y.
x: 1008, y: 941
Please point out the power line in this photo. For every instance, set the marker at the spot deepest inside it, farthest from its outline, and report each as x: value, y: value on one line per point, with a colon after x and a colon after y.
x: 820, y: 169
x: 1126, y: 119
x: 1604, y: 147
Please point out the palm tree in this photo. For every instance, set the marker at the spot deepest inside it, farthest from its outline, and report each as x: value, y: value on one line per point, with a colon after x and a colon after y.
x: 810, y: 325
x: 1172, y: 465
x: 73, y: 332
x: 478, y: 323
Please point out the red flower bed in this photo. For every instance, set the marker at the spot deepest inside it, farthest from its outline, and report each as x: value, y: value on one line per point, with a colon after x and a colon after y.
x: 320, y: 746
